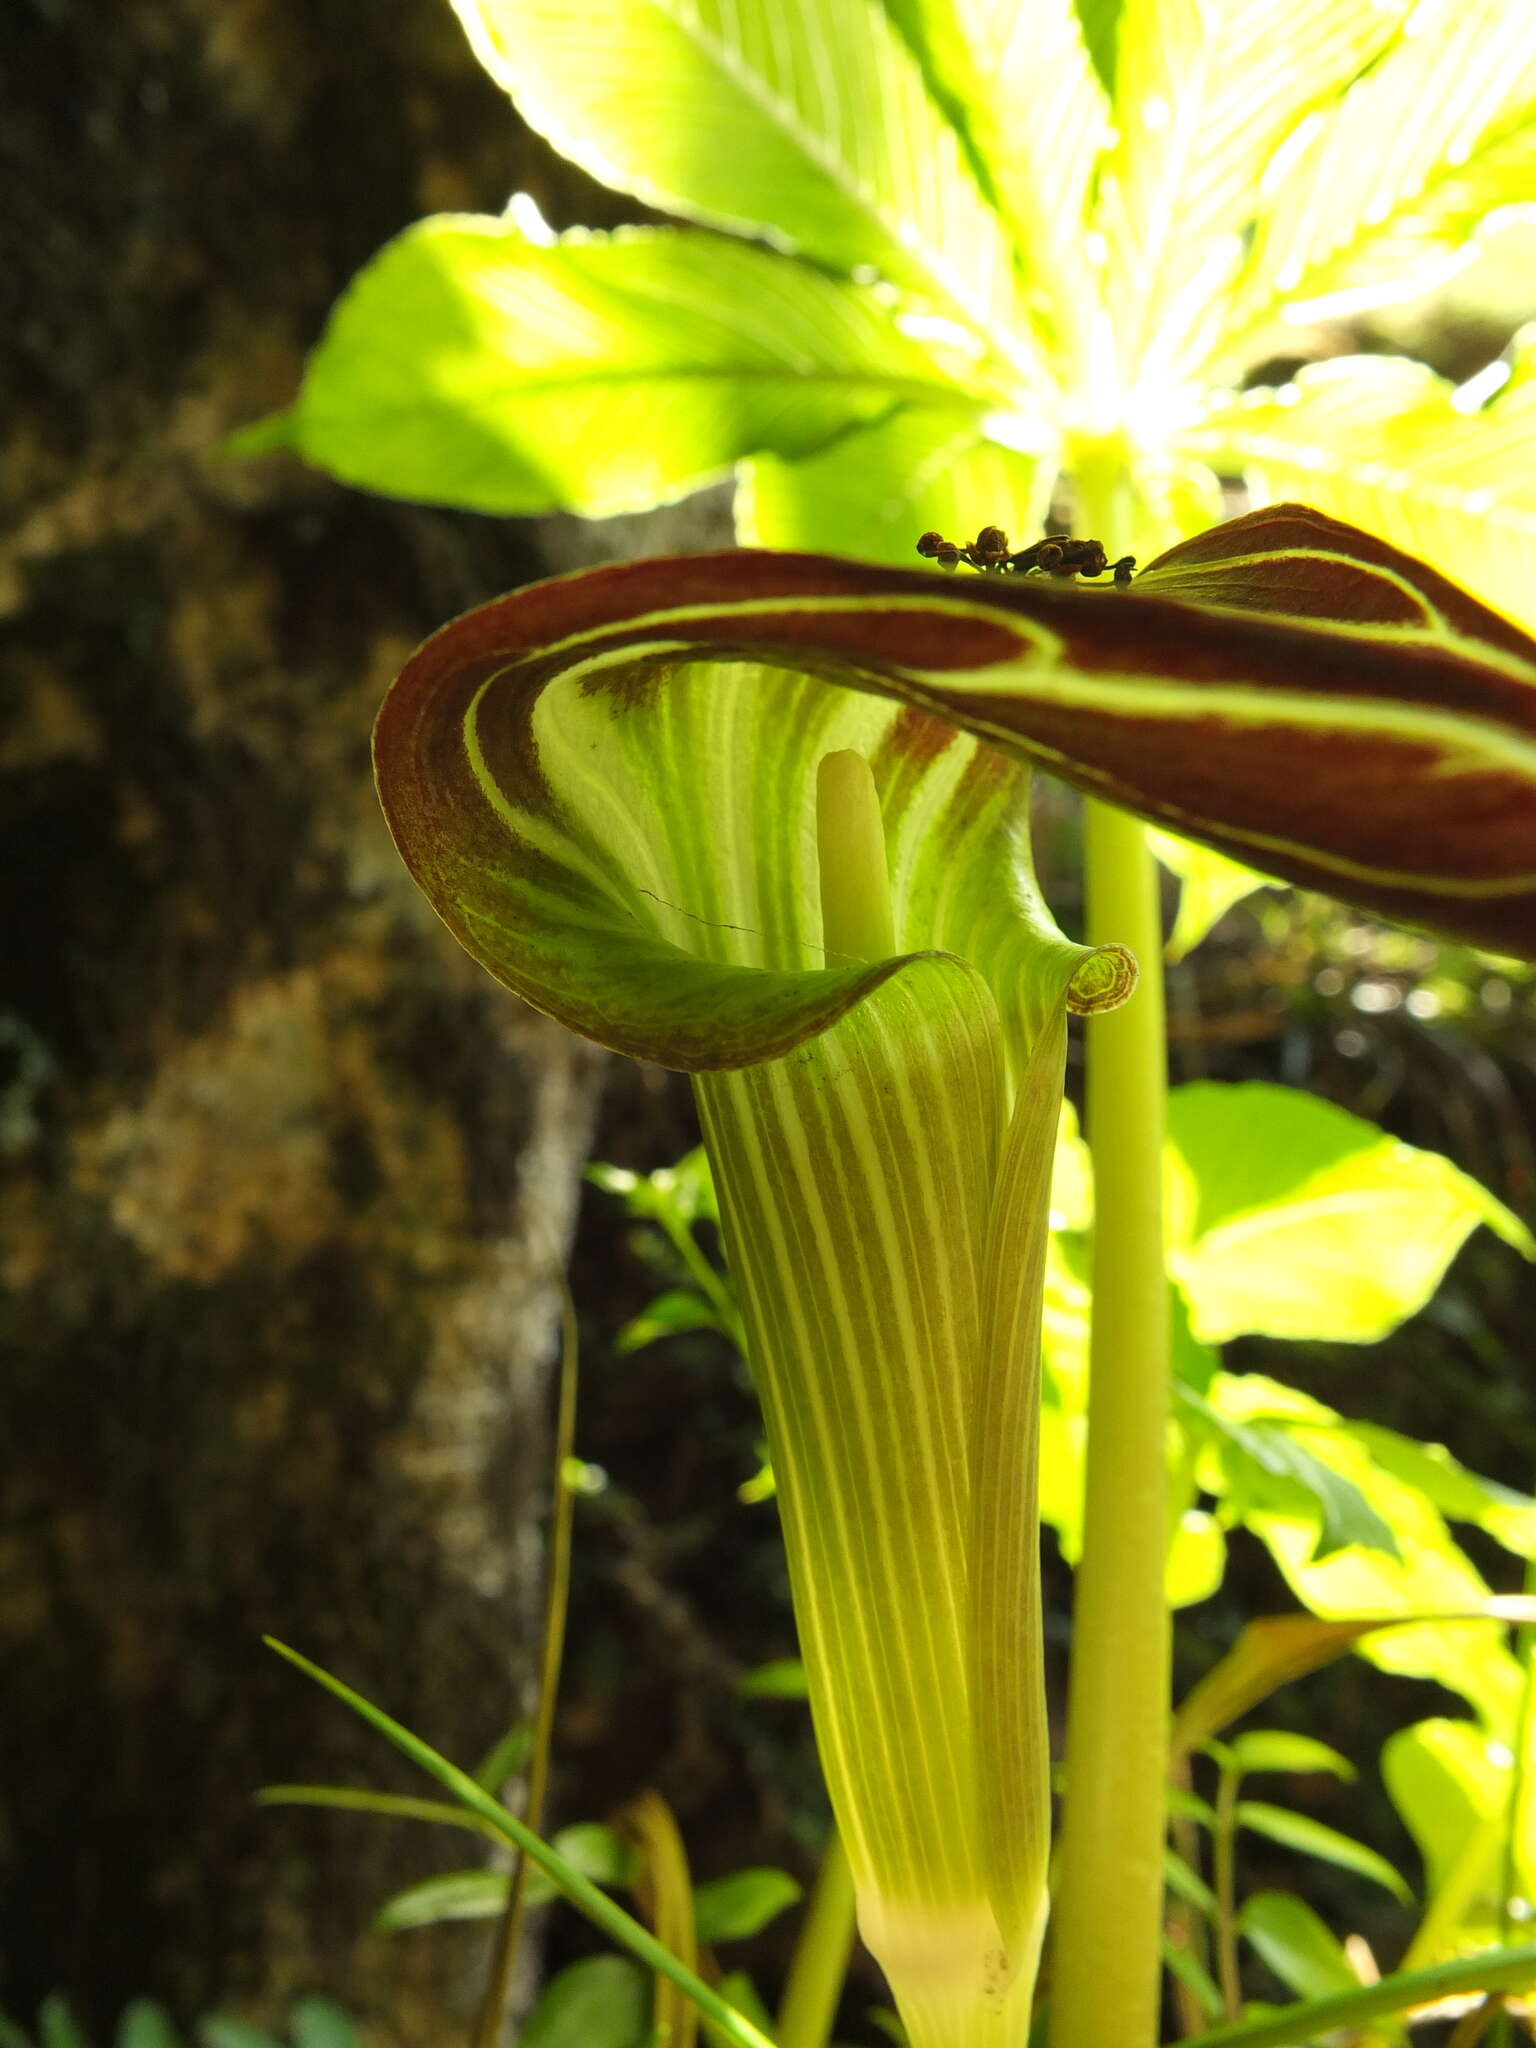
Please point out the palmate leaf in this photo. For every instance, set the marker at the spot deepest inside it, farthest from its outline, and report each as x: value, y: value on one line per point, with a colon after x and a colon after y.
x: 1388, y: 185
x: 468, y: 365
x: 1205, y: 95
x: 812, y: 126
x: 1381, y: 441
x: 1284, y: 688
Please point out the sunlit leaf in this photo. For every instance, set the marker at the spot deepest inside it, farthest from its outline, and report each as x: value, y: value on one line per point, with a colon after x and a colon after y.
x: 1460, y: 1495
x: 1288, y: 1936
x: 1197, y: 1558
x: 1450, y: 1782
x: 1020, y: 87
x: 1310, y: 1222
x: 1388, y: 444
x: 1210, y: 884
x: 1310, y: 1837
x: 773, y: 116
x: 468, y: 365
x: 1281, y: 1648
x: 1268, y: 1467
x: 871, y: 492
x: 1204, y: 96
x: 1382, y: 195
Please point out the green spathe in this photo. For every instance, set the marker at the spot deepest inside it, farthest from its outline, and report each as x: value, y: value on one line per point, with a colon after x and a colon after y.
x: 883, y: 1176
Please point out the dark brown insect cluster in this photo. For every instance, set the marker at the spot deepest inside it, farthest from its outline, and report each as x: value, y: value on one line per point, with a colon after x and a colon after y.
x: 1057, y: 555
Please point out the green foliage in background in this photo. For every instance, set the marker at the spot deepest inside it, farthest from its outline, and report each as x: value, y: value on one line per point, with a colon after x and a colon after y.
x: 314, y: 2023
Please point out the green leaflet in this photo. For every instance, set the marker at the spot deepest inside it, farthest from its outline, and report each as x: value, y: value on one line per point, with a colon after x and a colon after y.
x: 778, y: 117
x: 1296, y: 1219
x: 876, y: 488
x: 1204, y: 97
x: 1379, y: 196
x: 469, y: 365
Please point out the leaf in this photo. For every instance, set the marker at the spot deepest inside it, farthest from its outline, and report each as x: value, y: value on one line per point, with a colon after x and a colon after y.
x: 669, y: 1315
x: 582, y: 1893
x: 1209, y: 886
x: 506, y: 1757
x: 1205, y: 95
x: 1195, y: 1977
x: 734, y: 1908
x: 1460, y: 1495
x: 1154, y: 696
x: 770, y: 116
x: 467, y: 365
x: 218, y: 2030
x: 599, y: 2003
x: 1383, y: 194
x: 1256, y: 1454
x: 665, y: 1888
x: 1281, y: 1648
x: 1278, y: 1749
x: 1188, y: 1885
x: 871, y: 492
x: 360, y: 1799
x: 1496, y: 1969
x: 1451, y: 1784
x: 320, y: 2023
x: 1428, y: 1574
x: 1019, y: 87
x: 56, y: 2026
x: 478, y: 1894
x: 11, y: 2035
x: 783, y: 1678
x: 144, y: 2024
x: 1197, y: 1558
x: 1290, y: 1938
x: 1387, y: 443
x: 1311, y: 1838
x: 1310, y: 1222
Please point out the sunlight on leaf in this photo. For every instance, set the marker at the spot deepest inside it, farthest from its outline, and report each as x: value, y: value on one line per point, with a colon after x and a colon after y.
x: 811, y: 126
x: 1309, y: 1222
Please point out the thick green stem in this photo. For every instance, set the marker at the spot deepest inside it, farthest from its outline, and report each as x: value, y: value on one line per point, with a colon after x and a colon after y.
x: 820, y: 1961
x: 1108, y: 1912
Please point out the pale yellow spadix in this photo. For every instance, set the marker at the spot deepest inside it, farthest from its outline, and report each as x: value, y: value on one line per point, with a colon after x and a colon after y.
x: 856, y: 919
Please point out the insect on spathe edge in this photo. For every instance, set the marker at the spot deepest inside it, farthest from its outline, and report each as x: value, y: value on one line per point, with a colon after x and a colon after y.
x: 1057, y: 555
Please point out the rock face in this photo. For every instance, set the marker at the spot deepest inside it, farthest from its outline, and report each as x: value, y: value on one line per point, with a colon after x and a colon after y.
x: 285, y: 1180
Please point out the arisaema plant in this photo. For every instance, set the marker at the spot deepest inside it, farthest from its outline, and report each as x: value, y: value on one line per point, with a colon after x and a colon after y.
x: 965, y: 261
x: 761, y: 817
